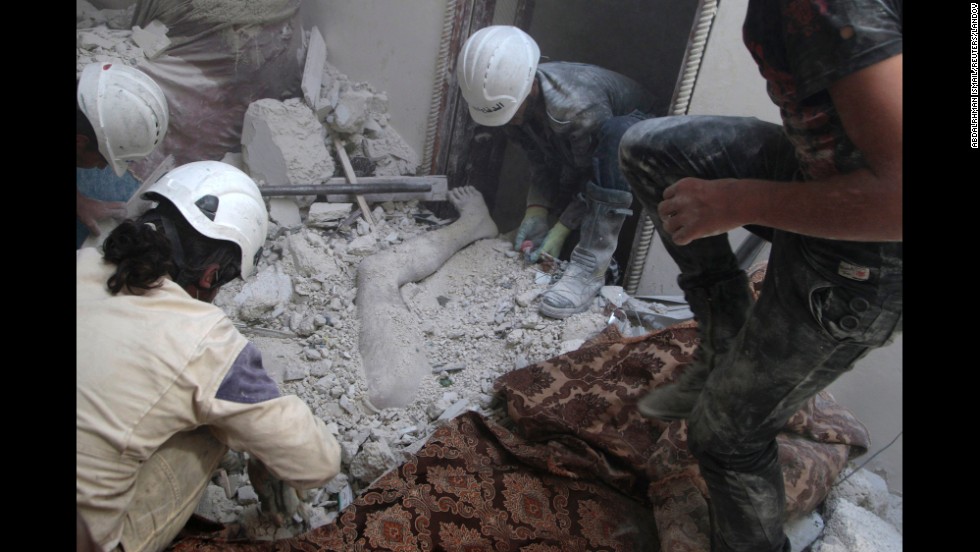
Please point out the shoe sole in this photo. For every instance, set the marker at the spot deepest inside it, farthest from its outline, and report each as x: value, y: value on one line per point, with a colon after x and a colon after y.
x: 562, y: 312
x: 648, y: 411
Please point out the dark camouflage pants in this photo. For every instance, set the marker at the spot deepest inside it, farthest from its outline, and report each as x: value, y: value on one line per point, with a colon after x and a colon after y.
x: 605, y: 172
x: 824, y: 305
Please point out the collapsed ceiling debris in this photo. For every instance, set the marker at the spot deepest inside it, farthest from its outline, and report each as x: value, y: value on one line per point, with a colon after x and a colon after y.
x: 470, y: 306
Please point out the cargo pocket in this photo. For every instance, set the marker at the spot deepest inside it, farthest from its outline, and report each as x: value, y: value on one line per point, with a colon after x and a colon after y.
x: 852, y: 317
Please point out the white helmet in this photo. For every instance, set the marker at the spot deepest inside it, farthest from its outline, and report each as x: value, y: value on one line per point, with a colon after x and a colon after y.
x: 220, y: 202
x: 127, y: 109
x: 496, y: 71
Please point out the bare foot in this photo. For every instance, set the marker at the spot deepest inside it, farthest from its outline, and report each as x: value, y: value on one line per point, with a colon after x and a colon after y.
x: 471, y: 206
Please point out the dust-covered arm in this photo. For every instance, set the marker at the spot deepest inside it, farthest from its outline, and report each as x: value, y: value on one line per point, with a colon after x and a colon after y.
x: 248, y: 414
x: 863, y: 205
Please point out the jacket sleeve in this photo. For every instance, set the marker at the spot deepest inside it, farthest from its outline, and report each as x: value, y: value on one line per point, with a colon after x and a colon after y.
x: 248, y: 414
x: 544, y: 176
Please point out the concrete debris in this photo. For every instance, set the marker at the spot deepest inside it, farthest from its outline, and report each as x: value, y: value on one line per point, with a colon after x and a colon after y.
x: 374, y: 460
x: 284, y: 144
x: 217, y: 507
x: 803, y: 531
x: 284, y: 212
x: 316, y: 56
x: 614, y: 295
x: 851, y: 528
x: 104, y: 35
x: 153, y: 39
x: 328, y: 215
x: 454, y: 367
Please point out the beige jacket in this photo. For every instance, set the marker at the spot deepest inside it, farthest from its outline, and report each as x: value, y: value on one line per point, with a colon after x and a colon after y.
x: 150, y: 366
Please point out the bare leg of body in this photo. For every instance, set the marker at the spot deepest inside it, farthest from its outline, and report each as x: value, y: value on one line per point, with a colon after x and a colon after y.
x: 390, y: 339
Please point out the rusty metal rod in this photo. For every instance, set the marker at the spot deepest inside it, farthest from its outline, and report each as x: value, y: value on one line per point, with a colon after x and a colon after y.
x: 360, y: 188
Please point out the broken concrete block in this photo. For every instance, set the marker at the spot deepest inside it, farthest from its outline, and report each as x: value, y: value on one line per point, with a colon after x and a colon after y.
x: 614, y: 294
x: 153, y: 39
x: 294, y: 372
x: 269, y: 288
x: 89, y: 40
x: 374, y: 459
x: 215, y: 506
x: 351, y: 111
x: 392, y: 154
x: 247, y: 495
x: 309, y: 259
x: 456, y: 409
x: 316, y: 56
x: 283, y: 143
x: 284, y: 212
x: 362, y: 245
x: 327, y: 214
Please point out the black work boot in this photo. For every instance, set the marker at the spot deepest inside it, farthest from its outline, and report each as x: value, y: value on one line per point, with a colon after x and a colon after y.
x: 586, y: 272
x: 720, y: 310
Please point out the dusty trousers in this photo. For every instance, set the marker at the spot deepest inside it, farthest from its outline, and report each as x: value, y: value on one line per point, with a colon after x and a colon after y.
x: 606, y: 202
x: 586, y: 272
x: 168, y: 488
x: 824, y: 305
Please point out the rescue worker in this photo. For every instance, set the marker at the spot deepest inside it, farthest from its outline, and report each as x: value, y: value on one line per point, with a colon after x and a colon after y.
x: 121, y: 117
x: 825, y: 187
x: 165, y: 383
x: 568, y: 118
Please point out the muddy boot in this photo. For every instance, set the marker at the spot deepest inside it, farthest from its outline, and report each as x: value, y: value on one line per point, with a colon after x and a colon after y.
x: 586, y: 273
x: 720, y: 311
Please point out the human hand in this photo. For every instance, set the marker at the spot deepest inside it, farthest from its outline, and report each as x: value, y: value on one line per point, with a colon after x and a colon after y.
x: 533, y: 228
x: 694, y: 208
x: 91, y: 211
x: 277, y: 500
x: 552, y: 244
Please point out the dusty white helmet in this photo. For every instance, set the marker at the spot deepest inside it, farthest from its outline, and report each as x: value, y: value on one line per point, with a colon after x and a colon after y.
x: 496, y: 71
x: 127, y: 109
x: 220, y: 202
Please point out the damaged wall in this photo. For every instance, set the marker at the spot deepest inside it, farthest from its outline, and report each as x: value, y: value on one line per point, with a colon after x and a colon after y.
x: 392, y: 45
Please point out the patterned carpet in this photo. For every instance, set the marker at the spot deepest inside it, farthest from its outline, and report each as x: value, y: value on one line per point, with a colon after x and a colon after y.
x: 575, y: 469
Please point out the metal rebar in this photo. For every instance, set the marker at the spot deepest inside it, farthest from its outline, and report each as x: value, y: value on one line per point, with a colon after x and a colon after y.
x: 360, y: 188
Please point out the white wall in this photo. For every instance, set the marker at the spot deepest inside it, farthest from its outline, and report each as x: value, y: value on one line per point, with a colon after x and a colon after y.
x: 729, y: 84
x: 392, y: 45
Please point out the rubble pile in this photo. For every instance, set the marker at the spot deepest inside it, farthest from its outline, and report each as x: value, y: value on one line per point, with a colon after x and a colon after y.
x: 479, y: 319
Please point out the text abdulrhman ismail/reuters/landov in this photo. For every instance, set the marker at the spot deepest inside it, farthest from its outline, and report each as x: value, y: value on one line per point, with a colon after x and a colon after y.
x: 974, y: 78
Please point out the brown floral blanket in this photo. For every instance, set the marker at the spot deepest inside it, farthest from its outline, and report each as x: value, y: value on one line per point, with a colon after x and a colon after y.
x: 574, y: 467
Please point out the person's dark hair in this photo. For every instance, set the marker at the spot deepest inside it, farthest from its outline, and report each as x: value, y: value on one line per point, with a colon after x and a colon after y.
x: 161, y: 242
x: 84, y: 127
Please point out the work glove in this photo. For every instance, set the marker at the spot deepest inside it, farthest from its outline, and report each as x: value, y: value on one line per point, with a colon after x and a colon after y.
x: 533, y: 228
x: 552, y: 244
x: 277, y: 500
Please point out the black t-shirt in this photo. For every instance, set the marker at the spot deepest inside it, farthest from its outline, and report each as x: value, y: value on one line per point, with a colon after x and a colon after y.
x: 801, y: 48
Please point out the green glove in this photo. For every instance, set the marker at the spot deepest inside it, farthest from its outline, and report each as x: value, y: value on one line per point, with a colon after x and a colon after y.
x: 533, y: 227
x: 553, y: 242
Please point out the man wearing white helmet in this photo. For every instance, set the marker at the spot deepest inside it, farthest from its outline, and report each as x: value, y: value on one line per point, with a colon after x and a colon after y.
x: 121, y: 117
x: 165, y: 383
x: 568, y: 118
